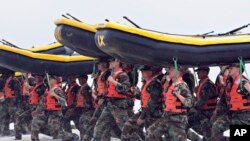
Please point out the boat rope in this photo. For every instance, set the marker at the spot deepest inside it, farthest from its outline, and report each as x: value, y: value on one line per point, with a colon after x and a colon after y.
x: 176, y: 68
x: 241, y: 73
x: 242, y: 67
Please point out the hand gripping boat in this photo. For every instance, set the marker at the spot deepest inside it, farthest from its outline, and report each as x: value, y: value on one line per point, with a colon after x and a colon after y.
x: 78, y: 36
x: 29, y: 62
x: 134, y: 45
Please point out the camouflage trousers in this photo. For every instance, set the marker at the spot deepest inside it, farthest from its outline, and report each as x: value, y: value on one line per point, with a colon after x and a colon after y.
x: 68, y: 115
x: 84, y: 122
x: 2, y: 117
x: 9, y: 110
x: 132, y: 131
x: 112, y: 116
x: 49, y: 121
x: 172, y: 125
x: 231, y: 118
x: 90, y: 129
x: 23, y: 119
x: 200, y: 124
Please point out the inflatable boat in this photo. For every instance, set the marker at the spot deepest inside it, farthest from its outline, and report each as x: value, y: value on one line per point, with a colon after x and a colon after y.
x: 29, y: 62
x: 78, y: 36
x: 53, y: 48
x: 140, y: 46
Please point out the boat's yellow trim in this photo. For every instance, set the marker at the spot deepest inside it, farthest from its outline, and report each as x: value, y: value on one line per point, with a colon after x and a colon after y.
x: 50, y: 57
x: 46, y: 47
x: 190, y: 40
x: 18, y: 74
x: 75, y: 23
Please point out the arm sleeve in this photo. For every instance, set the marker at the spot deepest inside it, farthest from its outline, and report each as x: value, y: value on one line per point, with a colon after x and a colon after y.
x: 155, y: 90
x: 124, y: 81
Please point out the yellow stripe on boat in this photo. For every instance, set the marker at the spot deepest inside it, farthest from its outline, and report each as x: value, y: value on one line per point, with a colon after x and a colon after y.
x: 58, y: 58
x: 46, y: 47
x: 75, y: 23
x: 180, y: 39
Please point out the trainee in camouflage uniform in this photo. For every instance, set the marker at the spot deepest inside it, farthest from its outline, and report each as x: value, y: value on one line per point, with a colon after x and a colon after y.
x: 133, y: 77
x: 99, y: 93
x: 221, y: 79
x: 151, y: 104
x: 174, y: 121
x: 36, y: 90
x: 118, y: 100
x: 70, y: 113
x: 84, y: 104
x: 49, y: 112
x: 23, y: 117
x: 234, y: 106
x: 206, y: 101
x: 13, y: 100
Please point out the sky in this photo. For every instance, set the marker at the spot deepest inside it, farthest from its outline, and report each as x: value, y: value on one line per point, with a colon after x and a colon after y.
x: 28, y: 23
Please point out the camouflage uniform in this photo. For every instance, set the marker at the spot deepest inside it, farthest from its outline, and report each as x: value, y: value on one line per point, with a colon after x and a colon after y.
x: 226, y: 117
x: 71, y: 113
x: 131, y: 130
x: 87, y: 110
x: 133, y: 77
x: 43, y: 117
x: 12, y: 105
x: 132, y: 73
x: 98, y: 111
x: 115, y: 112
x: 199, y: 118
x: 25, y: 115
x: 172, y: 125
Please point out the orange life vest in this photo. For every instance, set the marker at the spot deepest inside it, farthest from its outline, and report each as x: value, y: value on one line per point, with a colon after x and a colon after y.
x: 111, y: 87
x: 101, y: 85
x: 81, y: 102
x: 145, y: 95
x: 51, y: 103
x: 34, y: 97
x: 69, y: 95
x: 211, y: 102
x: 8, y: 93
x: 80, y: 98
x: 172, y: 103
x: 235, y: 100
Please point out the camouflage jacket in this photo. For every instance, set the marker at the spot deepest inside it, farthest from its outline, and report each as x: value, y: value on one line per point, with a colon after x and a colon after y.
x: 155, y: 102
x: 74, y: 93
x: 124, y: 80
x: 87, y: 94
x: 208, y: 91
x: 185, y: 92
